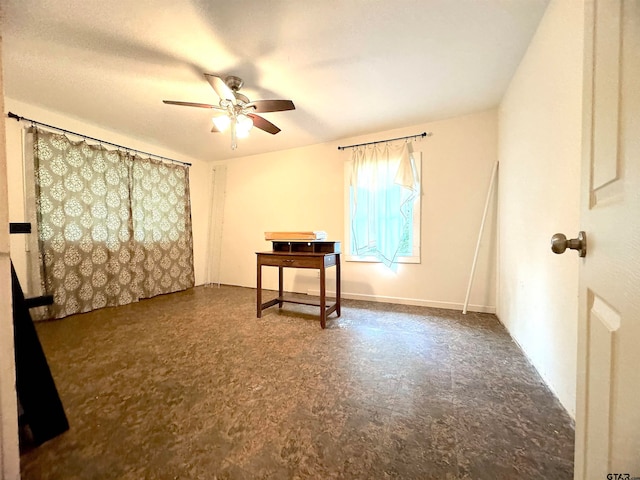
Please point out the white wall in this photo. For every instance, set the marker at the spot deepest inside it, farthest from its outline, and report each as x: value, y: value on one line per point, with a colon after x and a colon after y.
x: 540, y: 123
x: 198, y: 177
x: 9, y: 450
x: 303, y: 189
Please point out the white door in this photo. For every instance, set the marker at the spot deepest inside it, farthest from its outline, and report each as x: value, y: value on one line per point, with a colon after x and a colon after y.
x: 608, y: 396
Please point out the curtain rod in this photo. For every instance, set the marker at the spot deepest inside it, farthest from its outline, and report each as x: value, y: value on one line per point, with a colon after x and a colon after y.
x: 423, y: 134
x: 86, y: 137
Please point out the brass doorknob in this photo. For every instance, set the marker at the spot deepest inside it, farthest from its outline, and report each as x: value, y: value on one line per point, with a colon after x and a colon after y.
x: 559, y: 243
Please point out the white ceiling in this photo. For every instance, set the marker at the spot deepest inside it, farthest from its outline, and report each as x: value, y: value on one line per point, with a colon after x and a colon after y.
x: 351, y: 67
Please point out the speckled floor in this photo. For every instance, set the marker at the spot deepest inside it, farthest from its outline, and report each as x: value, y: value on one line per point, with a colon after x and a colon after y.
x: 193, y: 386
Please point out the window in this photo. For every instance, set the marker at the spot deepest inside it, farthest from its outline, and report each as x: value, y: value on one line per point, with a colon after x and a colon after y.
x: 382, y: 194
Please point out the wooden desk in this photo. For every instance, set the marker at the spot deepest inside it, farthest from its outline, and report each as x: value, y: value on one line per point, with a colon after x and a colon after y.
x: 316, y: 254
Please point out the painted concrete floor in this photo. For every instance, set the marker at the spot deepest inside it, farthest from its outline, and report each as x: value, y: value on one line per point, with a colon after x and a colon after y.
x: 193, y: 386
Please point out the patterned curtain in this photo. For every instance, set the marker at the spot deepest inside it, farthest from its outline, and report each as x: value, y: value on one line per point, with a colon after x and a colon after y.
x: 163, y: 244
x: 112, y: 227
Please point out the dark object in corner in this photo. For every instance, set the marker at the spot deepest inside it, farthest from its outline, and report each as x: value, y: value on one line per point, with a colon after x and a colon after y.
x: 42, y: 409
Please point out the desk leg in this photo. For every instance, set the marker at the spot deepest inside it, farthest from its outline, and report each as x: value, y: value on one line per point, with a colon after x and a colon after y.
x: 259, y: 290
x: 338, y: 284
x: 323, y: 297
x: 280, y: 284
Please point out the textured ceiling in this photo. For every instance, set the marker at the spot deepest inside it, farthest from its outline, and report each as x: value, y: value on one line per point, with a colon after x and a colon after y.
x: 351, y: 66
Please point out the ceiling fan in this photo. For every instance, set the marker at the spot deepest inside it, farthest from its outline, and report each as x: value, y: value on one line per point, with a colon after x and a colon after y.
x: 236, y: 110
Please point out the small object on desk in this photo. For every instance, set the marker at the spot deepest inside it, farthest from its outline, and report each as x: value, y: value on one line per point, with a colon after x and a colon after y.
x: 300, y: 254
x: 296, y: 236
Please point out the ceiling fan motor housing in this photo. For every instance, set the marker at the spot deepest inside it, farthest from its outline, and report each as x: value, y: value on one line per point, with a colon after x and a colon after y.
x: 234, y: 83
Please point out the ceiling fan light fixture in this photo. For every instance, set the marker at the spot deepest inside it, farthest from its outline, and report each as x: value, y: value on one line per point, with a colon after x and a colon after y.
x: 235, y: 111
x: 222, y: 122
x: 244, y: 124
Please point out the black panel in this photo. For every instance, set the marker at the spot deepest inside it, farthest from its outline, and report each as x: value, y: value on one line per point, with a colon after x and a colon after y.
x: 43, y: 411
x: 15, y: 227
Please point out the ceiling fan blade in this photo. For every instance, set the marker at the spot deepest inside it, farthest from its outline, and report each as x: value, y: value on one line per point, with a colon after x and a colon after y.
x: 221, y: 88
x: 189, y: 104
x: 263, y: 124
x: 265, y: 106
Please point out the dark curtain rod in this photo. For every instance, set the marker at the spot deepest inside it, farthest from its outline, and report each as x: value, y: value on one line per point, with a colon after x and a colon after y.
x: 19, y: 118
x: 423, y: 134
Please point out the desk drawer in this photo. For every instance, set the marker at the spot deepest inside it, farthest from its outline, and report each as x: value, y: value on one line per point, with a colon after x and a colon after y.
x: 287, y: 261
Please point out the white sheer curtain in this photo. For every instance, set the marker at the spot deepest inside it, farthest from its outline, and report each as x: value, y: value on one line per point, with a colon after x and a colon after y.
x: 384, y: 183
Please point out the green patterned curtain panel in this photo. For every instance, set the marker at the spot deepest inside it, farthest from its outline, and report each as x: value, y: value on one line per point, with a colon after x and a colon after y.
x: 113, y: 227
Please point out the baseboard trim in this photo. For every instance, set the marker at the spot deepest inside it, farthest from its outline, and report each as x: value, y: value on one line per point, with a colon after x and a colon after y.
x: 408, y: 301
